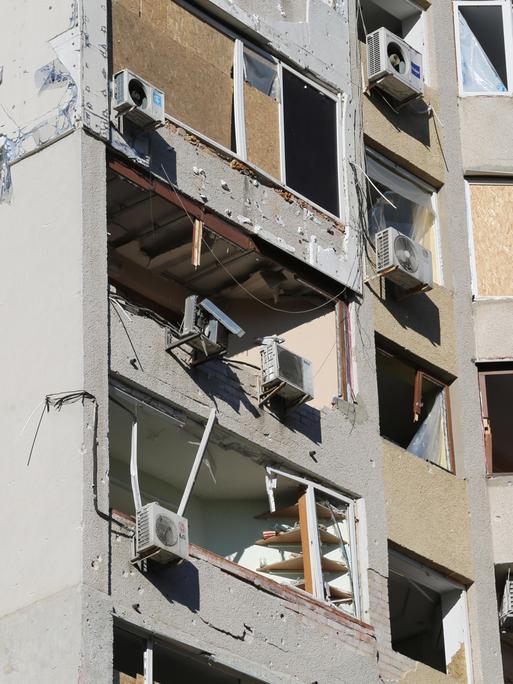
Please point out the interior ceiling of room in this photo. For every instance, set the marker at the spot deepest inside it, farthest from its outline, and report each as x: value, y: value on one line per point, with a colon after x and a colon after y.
x: 166, y: 451
x: 156, y: 235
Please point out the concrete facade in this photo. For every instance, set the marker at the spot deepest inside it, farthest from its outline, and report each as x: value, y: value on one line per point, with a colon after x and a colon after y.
x: 78, y: 194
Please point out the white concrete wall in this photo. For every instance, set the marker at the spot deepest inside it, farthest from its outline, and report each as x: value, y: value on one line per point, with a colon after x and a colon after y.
x: 42, y: 348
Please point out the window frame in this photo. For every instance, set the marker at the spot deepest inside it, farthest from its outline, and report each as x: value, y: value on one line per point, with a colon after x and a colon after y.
x: 507, y: 24
x: 477, y: 180
x: 485, y: 420
x: 240, y: 153
x: 420, y: 375
x: 427, y: 188
x: 415, y: 571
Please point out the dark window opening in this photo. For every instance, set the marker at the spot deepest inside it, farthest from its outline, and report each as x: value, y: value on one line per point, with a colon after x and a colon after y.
x: 129, y: 652
x: 482, y: 49
x: 310, y: 131
x: 496, y: 399
x: 414, y: 409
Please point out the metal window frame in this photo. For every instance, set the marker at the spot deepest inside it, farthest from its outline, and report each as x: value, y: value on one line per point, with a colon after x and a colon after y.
x: 311, y: 487
x: 507, y: 26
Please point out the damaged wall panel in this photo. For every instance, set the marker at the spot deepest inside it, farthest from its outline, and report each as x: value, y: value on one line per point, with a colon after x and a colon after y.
x: 492, y: 226
x: 186, y: 58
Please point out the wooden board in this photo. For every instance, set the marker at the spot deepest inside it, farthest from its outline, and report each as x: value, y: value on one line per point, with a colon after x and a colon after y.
x: 262, y: 130
x: 183, y: 56
x: 296, y: 564
x: 292, y: 513
x: 492, y: 227
x: 294, y: 537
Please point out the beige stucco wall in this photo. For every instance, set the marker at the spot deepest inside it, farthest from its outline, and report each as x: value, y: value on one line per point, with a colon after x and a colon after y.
x: 485, y: 147
x: 410, y: 138
x: 493, y: 321
x: 427, y: 510
x: 500, y: 494
x: 422, y: 323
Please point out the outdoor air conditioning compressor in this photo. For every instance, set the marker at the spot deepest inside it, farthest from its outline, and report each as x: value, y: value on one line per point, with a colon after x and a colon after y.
x: 160, y: 535
x: 403, y: 261
x: 284, y: 375
x: 137, y: 100
x: 394, y: 66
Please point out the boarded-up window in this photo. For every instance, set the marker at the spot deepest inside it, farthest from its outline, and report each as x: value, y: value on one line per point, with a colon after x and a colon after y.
x: 262, y: 112
x: 492, y: 227
x: 187, y: 58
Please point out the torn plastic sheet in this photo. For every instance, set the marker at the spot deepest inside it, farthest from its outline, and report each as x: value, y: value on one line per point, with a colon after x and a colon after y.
x: 477, y: 71
x: 430, y: 441
x: 261, y: 73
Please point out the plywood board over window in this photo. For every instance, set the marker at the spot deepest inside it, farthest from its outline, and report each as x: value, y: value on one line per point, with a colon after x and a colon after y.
x: 187, y: 58
x: 492, y: 228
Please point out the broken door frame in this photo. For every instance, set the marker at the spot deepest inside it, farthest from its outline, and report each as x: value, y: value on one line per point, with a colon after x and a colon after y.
x: 507, y: 27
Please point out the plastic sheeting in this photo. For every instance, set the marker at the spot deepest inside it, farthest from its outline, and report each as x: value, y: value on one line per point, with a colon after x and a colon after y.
x: 261, y: 73
x: 413, y: 213
x: 430, y: 441
x: 478, y: 73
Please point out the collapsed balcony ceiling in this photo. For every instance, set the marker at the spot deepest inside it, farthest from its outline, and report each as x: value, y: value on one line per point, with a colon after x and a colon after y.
x: 148, y: 234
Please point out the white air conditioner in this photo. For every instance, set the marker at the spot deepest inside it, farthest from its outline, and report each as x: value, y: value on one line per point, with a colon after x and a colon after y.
x: 394, y: 66
x: 160, y: 534
x: 137, y: 100
x: 205, y: 328
x: 506, y: 609
x: 285, y: 375
x: 403, y: 261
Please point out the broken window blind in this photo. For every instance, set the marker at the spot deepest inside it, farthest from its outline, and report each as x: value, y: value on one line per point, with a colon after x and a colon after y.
x: 262, y: 112
x: 482, y: 49
x: 310, y: 138
x: 492, y: 228
x: 190, y: 61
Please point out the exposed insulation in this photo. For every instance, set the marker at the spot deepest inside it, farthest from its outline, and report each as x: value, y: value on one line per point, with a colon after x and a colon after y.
x: 262, y: 130
x: 492, y: 221
x: 457, y: 668
x: 182, y: 55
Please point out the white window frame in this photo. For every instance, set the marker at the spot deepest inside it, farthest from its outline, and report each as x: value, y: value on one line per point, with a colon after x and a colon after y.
x: 239, y: 119
x: 455, y: 614
x: 491, y: 180
x: 312, y: 518
x: 400, y: 171
x: 507, y: 24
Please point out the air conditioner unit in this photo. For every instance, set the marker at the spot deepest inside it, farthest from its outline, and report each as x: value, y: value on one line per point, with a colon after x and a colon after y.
x: 506, y: 609
x: 285, y: 375
x: 160, y: 535
x: 394, y: 66
x: 205, y: 328
x: 403, y: 261
x: 137, y: 100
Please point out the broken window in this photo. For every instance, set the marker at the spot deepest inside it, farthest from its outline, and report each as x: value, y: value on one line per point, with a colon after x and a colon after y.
x: 155, y: 263
x: 428, y: 617
x: 483, y: 33
x: 190, y: 60
x: 293, y: 531
x: 235, y: 95
x: 492, y: 225
x: 139, y: 659
x: 414, y: 409
x: 401, y: 201
x: 496, y: 387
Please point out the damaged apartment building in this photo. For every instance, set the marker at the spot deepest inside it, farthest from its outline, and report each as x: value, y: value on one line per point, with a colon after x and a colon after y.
x: 257, y: 341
